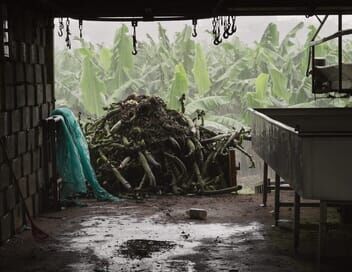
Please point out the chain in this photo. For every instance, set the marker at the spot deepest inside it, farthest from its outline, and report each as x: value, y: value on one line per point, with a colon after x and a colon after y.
x: 223, y: 26
x: 80, y: 26
x: 194, y: 23
x: 61, y: 27
x: 68, y: 33
x: 134, y: 37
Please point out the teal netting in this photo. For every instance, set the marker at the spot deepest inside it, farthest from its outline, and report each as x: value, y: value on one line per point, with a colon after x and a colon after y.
x: 73, y: 160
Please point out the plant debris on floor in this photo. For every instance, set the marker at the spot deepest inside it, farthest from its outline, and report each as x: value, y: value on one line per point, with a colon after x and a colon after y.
x: 140, y: 145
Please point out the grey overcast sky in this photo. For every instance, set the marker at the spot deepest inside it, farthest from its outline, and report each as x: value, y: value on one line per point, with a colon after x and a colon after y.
x: 250, y: 28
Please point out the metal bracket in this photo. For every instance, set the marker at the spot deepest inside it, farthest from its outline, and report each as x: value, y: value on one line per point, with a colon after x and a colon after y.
x: 322, y: 22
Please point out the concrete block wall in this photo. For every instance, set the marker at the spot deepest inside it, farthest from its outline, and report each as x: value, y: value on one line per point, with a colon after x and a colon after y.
x: 26, y: 97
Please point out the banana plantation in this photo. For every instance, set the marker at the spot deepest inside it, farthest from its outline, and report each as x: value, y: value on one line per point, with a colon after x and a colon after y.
x: 222, y: 80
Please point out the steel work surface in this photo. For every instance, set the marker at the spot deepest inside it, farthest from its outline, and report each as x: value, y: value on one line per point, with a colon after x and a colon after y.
x: 311, y: 148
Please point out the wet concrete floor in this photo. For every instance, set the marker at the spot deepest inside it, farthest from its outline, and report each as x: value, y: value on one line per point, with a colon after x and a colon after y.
x: 157, y: 235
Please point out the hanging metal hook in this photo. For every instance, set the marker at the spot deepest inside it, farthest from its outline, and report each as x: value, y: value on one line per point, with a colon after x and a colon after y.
x: 194, y: 23
x: 134, y: 37
x: 80, y: 26
x: 68, y: 33
x: 234, y: 26
x: 61, y: 27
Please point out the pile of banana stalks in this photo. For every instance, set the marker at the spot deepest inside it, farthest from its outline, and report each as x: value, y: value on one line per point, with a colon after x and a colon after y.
x: 140, y: 146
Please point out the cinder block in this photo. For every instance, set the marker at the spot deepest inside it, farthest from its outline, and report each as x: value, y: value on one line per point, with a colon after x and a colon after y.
x: 41, y: 55
x: 32, y: 183
x: 31, y: 139
x: 36, y: 159
x: 18, y: 217
x: 16, y: 120
x: 43, y: 40
x: 26, y: 118
x: 48, y: 93
x: 45, y: 74
x: 4, y: 124
x: 36, y: 203
x: 9, y: 98
x: 27, y: 163
x: 38, y: 73
x: 44, y: 111
x: 33, y: 53
x: 20, y: 96
x: 21, y: 142
x: 9, y: 73
x: 40, y: 178
x: 22, y: 182
x: 6, y: 227
x: 11, y: 146
x: 22, y: 52
x: 13, y: 50
x: 10, y: 196
x: 17, y: 167
x: 39, y: 94
x: 35, y: 116
x: 5, y: 176
x: 2, y: 203
x: 19, y: 72
x: 38, y: 136
x: 30, y: 95
x: 29, y: 73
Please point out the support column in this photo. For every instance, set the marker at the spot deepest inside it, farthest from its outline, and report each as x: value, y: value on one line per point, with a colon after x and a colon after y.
x: 296, y: 221
x: 322, y: 231
x: 265, y: 184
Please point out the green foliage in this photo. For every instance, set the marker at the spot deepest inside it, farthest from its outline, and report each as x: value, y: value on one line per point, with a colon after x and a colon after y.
x: 200, y: 71
x: 179, y: 86
x: 222, y: 80
x: 92, y: 88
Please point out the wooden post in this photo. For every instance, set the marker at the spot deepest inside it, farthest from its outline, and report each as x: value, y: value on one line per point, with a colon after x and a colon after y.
x: 232, y: 168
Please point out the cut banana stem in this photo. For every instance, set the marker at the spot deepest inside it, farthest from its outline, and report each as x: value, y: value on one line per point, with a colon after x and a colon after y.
x: 125, y: 140
x: 215, y: 138
x: 191, y: 147
x: 143, y: 161
x: 151, y: 159
x: 141, y: 183
x: 207, y: 162
x: 116, y: 172
x: 229, y: 140
x: 222, y: 191
x: 174, y: 143
x: 178, y: 162
x: 199, y: 178
x: 116, y: 127
x: 124, y: 162
x: 190, y: 124
x: 247, y: 155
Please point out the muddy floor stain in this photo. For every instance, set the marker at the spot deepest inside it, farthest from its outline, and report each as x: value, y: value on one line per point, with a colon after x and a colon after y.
x: 131, y: 244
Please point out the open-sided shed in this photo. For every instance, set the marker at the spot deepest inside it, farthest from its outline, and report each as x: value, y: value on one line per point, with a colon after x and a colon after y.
x: 27, y: 78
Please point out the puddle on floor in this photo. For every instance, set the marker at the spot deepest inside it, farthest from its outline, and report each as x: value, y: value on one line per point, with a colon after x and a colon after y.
x: 131, y: 244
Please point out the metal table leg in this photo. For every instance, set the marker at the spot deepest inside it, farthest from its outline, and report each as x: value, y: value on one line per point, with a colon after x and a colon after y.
x: 265, y: 184
x: 322, y: 231
x: 296, y: 221
x: 277, y: 199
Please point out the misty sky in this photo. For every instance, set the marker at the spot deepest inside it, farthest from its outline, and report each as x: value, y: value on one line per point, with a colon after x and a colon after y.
x: 250, y: 28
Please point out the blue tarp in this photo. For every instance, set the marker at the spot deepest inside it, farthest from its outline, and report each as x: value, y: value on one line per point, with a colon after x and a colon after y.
x: 73, y: 160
